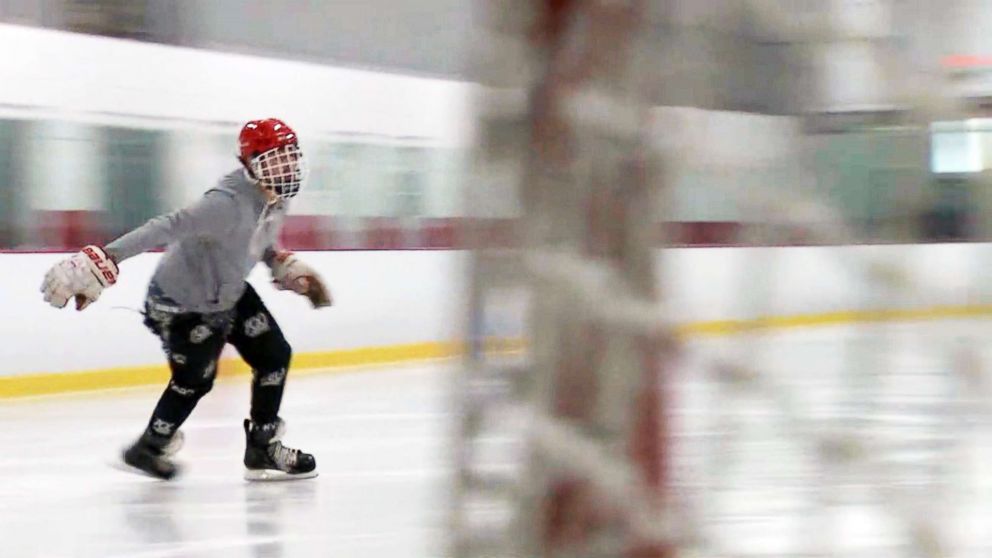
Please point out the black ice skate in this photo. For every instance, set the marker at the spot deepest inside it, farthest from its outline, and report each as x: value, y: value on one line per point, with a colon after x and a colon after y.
x: 266, y: 459
x: 152, y: 455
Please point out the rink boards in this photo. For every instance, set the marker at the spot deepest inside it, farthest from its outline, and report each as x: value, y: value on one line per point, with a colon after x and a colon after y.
x: 398, y: 306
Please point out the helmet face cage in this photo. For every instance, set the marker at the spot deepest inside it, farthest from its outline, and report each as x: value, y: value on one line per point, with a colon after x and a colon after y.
x: 281, y: 170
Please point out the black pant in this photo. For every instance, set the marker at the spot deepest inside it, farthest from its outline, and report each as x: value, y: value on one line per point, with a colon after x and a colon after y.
x: 193, y: 344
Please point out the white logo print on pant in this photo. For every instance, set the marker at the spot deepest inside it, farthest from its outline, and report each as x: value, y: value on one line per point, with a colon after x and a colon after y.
x: 257, y: 325
x: 185, y: 392
x: 273, y: 378
x: 163, y: 428
x: 199, y: 334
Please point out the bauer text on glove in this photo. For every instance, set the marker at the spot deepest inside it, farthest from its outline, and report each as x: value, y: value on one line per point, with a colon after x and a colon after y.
x: 82, y: 276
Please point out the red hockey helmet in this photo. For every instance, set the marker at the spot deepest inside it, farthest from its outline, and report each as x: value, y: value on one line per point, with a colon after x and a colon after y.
x: 270, y: 150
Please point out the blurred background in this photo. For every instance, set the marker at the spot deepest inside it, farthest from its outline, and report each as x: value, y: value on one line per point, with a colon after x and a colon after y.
x: 892, y: 96
x: 78, y: 166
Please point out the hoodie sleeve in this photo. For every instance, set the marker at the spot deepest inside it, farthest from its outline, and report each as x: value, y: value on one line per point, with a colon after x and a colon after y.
x: 211, y: 216
x: 273, y: 250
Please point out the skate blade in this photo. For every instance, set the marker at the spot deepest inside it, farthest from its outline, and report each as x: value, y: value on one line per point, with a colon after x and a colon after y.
x: 273, y: 475
x: 120, y: 465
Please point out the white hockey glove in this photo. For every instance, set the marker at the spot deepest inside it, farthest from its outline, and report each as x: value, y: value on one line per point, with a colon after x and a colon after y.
x: 291, y: 274
x: 82, y: 276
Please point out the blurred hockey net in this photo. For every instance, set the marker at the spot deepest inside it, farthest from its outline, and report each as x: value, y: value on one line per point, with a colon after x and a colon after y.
x: 593, y: 422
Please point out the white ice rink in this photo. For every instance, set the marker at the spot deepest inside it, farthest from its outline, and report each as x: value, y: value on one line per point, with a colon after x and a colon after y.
x: 379, y: 438
x: 916, y: 399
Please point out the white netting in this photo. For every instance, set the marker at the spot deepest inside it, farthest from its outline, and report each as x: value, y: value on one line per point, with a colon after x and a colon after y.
x: 282, y: 170
x: 616, y: 428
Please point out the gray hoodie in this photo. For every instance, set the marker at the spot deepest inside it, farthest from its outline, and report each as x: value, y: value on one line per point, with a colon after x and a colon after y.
x: 212, y: 245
